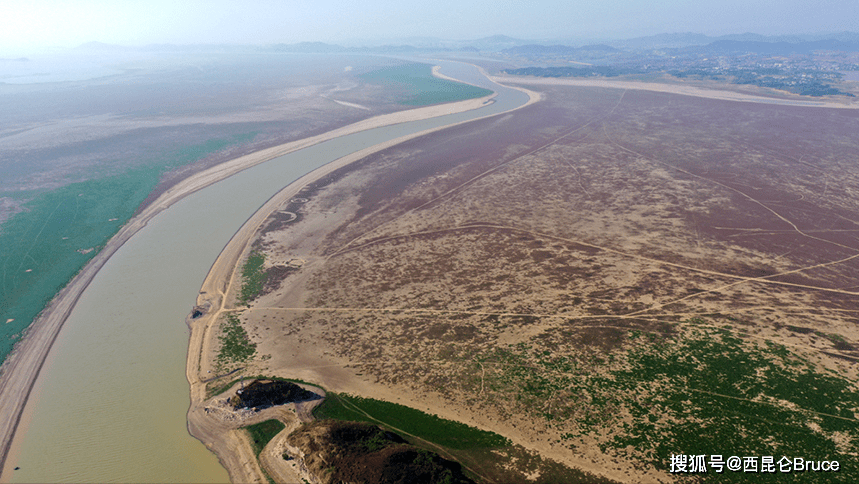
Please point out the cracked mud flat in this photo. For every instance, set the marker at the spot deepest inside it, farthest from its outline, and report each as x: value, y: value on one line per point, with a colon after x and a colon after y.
x: 519, y: 273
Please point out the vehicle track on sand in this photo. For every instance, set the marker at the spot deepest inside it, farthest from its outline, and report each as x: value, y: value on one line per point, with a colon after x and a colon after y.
x: 735, y: 190
x: 484, y: 174
x: 764, y: 279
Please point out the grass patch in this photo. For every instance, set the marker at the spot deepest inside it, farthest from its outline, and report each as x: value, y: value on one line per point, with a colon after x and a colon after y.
x: 447, y: 433
x: 418, y: 87
x: 215, y: 389
x: 236, y: 347
x: 253, y: 278
x: 262, y: 433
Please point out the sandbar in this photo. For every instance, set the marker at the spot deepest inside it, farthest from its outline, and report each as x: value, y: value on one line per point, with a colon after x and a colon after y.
x: 684, y: 90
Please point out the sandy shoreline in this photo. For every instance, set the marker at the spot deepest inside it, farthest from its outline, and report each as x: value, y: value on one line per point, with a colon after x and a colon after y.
x: 21, y: 368
x: 684, y: 90
x: 217, y: 286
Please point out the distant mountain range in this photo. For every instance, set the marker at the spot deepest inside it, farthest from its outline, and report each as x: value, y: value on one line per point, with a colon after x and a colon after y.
x: 536, y: 49
x: 778, y: 48
x: 689, y: 39
x: 726, y: 44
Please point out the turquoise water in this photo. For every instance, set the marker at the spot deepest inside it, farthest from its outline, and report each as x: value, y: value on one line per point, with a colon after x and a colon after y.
x: 418, y: 87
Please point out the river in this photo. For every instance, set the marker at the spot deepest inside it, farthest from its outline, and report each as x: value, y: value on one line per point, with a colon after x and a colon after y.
x: 110, y: 403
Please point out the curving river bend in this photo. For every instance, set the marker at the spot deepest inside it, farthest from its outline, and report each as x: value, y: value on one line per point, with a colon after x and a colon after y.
x: 110, y: 403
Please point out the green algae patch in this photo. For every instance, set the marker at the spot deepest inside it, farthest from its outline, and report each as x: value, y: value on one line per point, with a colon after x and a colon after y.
x: 57, y: 232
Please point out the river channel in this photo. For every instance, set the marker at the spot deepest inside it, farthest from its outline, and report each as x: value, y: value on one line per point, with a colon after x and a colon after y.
x: 110, y: 404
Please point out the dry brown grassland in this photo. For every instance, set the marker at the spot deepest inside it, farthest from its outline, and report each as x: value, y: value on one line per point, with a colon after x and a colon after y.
x: 607, y: 277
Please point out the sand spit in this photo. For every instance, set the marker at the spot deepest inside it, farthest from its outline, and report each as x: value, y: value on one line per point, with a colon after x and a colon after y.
x: 348, y: 104
x: 21, y: 368
x: 221, y: 278
x: 684, y: 90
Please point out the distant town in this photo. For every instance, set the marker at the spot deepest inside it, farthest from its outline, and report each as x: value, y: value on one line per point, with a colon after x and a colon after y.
x: 812, y: 66
x: 807, y: 68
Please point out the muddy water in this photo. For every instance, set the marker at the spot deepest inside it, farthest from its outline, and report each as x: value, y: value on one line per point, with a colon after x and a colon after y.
x: 112, y: 398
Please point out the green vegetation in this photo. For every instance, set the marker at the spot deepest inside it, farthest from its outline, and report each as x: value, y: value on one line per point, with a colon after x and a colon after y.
x: 262, y: 433
x: 700, y: 390
x: 447, y: 433
x: 493, y: 463
x: 477, y: 449
x: 236, y: 346
x: 253, y: 278
x: 377, y: 440
x: 59, y: 231
x: 362, y: 452
x: 418, y: 87
x: 214, y: 388
x: 728, y: 396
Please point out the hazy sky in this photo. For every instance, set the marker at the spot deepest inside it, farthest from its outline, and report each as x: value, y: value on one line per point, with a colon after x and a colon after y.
x: 25, y: 24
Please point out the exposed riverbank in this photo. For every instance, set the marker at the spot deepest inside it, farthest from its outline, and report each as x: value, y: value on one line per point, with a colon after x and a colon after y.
x: 218, y: 286
x: 22, y: 367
